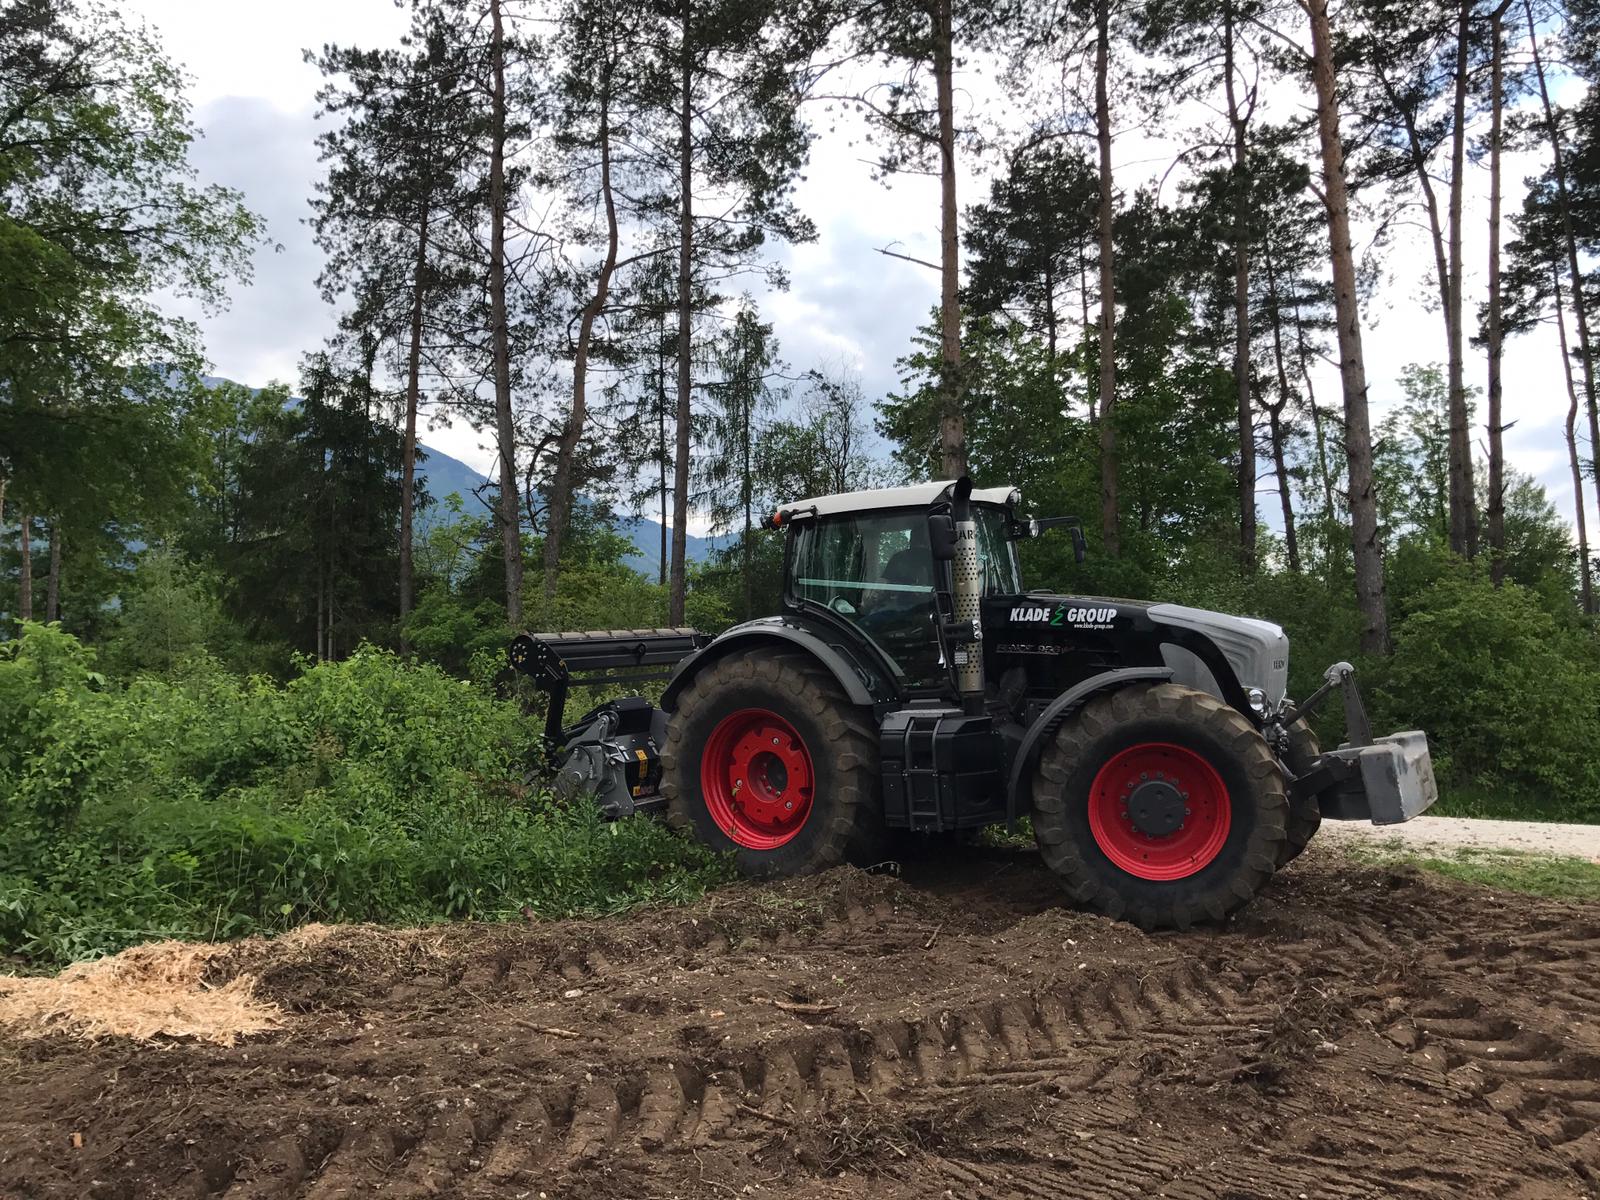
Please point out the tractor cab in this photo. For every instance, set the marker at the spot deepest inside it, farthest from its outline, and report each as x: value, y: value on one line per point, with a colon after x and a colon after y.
x: 865, y: 562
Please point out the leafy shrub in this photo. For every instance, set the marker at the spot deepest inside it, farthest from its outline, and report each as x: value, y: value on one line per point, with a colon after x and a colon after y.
x: 168, y: 616
x: 1510, y: 697
x: 206, y: 805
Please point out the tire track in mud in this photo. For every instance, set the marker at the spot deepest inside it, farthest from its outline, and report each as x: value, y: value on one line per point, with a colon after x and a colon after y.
x: 889, y: 926
x: 1087, y: 1037
x: 1535, y: 1080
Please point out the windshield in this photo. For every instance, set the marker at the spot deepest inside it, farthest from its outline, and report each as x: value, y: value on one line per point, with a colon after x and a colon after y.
x: 846, y: 556
x: 997, y: 554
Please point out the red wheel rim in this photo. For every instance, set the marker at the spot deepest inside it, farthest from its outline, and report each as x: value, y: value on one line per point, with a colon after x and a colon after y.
x: 1198, y: 802
x: 757, y: 779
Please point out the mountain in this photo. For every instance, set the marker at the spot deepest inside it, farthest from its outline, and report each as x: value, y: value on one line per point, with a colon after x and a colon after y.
x: 443, y: 474
x: 645, y: 535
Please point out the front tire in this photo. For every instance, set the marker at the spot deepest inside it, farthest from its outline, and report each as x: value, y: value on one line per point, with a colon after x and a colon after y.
x: 1305, y: 812
x: 767, y: 758
x: 1160, y: 804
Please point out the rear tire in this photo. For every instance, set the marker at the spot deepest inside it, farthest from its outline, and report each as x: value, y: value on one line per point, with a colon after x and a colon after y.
x: 826, y: 766
x: 1228, y: 825
x: 1305, y: 812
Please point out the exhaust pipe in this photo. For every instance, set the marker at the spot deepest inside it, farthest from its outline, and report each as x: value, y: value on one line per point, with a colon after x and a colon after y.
x: 967, y: 591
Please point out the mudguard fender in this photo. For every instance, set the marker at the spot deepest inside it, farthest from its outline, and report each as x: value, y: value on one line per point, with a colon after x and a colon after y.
x: 772, y: 633
x: 1059, y: 709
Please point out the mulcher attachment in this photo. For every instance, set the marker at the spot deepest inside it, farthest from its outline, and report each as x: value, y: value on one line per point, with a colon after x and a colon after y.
x: 554, y: 661
x: 614, y: 751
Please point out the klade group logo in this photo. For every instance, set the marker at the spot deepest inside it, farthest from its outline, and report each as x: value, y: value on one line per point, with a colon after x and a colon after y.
x: 1077, y: 616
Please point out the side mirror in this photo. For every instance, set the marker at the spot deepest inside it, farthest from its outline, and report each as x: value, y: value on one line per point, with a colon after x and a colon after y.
x: 1080, y: 544
x: 942, y: 536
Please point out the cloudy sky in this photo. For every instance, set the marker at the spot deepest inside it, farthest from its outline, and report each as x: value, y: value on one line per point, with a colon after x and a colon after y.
x: 254, y: 97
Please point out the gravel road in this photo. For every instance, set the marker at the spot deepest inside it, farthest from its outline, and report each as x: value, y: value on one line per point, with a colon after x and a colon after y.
x: 1464, y: 833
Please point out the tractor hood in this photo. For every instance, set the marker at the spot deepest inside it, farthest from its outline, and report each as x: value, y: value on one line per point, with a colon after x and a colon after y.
x: 1258, y: 651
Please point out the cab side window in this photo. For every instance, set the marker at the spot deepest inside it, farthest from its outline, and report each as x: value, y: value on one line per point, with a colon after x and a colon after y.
x: 876, y: 573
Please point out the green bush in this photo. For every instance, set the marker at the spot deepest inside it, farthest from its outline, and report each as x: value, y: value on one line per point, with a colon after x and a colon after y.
x: 206, y: 805
x: 1509, y: 696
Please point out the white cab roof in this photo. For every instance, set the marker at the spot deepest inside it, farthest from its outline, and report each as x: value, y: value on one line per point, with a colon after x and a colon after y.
x: 917, y: 495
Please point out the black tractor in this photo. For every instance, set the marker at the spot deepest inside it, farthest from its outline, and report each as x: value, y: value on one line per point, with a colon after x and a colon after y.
x: 912, y: 687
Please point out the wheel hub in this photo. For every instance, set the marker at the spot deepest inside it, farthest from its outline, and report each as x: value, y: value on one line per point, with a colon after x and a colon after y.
x: 757, y: 779
x: 1159, y: 811
x: 1156, y: 807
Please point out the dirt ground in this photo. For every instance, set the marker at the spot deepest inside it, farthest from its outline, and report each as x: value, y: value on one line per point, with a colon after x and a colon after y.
x: 956, y: 1032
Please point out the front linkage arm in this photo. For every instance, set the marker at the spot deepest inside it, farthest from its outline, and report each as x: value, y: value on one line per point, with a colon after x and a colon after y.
x: 1384, y: 780
x: 1358, y: 729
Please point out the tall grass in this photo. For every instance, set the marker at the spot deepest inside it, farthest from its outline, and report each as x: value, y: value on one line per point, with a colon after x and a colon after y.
x: 201, y: 804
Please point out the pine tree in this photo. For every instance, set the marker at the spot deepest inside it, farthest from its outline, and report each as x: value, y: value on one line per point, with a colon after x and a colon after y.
x: 1368, y: 554
x: 915, y: 121
x: 1225, y: 49
x: 1412, y: 70
x: 740, y: 142
x: 393, y: 206
x: 313, y: 555
x: 1031, y: 245
x: 739, y: 396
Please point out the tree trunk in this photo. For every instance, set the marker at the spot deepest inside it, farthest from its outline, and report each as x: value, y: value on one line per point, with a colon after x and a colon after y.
x: 331, y: 568
x: 1368, y: 555
x: 747, y: 498
x: 1586, y: 595
x: 1580, y: 308
x: 952, y: 419
x: 408, y: 449
x: 1050, y: 311
x: 1109, y: 536
x: 322, y: 610
x: 561, y: 485
x: 1241, y: 301
x: 1275, y: 412
x: 680, y: 467
x: 52, y: 586
x: 661, y: 432
x: 1497, y: 454
x: 1291, y: 540
x: 505, y: 425
x: 25, y: 583
x: 1463, y: 500
x: 1089, y: 385
x: 1084, y: 306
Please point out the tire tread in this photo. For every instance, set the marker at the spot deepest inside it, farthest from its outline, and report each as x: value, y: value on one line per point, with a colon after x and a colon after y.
x: 852, y: 813
x: 1075, y: 743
